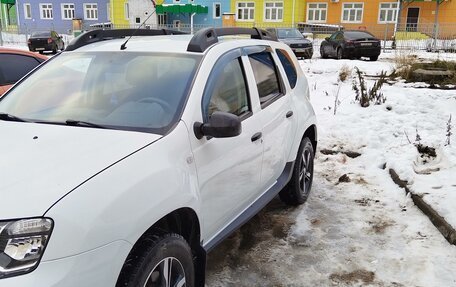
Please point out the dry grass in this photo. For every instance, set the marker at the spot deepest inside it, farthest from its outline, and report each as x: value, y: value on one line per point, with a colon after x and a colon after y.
x: 344, y: 73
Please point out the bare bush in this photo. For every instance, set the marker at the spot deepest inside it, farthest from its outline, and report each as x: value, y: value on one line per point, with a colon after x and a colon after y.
x: 448, y: 132
x: 364, y: 96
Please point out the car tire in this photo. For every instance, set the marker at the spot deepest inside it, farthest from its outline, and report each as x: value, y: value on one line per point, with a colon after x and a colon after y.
x: 322, y: 53
x: 54, y: 50
x: 63, y: 47
x: 41, y: 52
x: 297, y: 190
x: 373, y: 59
x: 339, y: 54
x: 151, y: 258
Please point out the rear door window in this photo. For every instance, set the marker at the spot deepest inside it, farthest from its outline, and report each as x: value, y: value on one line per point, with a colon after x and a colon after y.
x: 14, y: 67
x: 266, y: 77
x: 288, y: 66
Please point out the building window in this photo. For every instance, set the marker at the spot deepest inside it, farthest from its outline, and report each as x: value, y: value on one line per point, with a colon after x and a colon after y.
x: 27, y: 11
x: 317, y: 12
x: 46, y: 11
x: 217, y: 10
x: 273, y: 11
x: 162, y: 19
x: 91, y: 11
x: 352, y: 13
x: 245, y: 11
x: 176, y: 1
x: 127, y: 10
x: 67, y: 11
x: 388, y: 13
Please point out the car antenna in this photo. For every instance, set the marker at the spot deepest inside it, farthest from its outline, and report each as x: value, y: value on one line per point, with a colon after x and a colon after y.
x: 124, y: 45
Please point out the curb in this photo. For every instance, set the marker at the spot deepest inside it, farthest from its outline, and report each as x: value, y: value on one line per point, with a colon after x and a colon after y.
x: 444, y: 227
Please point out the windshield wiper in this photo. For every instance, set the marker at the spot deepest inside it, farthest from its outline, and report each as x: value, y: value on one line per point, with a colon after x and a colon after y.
x: 83, y: 124
x: 12, y: 118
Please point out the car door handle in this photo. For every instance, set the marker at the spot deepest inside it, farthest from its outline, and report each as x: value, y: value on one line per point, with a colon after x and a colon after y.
x: 289, y: 114
x: 256, y: 136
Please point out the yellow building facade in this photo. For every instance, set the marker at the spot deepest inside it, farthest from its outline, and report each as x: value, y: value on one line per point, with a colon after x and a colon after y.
x: 119, y: 13
x: 268, y: 13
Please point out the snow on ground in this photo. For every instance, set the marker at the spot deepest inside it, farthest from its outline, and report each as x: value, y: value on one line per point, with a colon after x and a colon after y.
x: 380, y: 132
x: 366, y: 231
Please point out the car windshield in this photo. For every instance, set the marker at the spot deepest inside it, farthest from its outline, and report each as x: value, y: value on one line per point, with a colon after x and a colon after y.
x: 355, y: 35
x: 289, y: 33
x: 41, y: 34
x: 118, y: 90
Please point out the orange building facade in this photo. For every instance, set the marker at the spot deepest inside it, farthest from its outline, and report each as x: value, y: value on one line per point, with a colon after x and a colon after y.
x: 385, y: 16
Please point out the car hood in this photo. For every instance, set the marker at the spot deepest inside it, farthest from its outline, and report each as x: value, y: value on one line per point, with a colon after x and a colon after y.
x: 40, y: 163
x: 289, y: 41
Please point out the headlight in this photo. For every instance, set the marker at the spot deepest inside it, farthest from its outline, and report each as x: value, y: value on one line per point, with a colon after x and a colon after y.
x: 22, y: 243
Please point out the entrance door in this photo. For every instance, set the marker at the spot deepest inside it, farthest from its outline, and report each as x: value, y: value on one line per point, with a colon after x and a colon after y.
x: 413, y: 15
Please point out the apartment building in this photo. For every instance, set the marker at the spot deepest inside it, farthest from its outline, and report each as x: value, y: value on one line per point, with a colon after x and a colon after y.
x: 58, y: 15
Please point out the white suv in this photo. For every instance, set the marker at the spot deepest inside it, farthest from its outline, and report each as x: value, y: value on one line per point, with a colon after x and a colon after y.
x: 124, y: 162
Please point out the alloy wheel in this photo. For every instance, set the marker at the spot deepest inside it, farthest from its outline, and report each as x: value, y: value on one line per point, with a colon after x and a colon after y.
x: 167, y: 273
x: 305, y: 172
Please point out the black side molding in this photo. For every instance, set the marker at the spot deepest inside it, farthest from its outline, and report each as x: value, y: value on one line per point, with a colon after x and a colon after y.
x: 283, y: 179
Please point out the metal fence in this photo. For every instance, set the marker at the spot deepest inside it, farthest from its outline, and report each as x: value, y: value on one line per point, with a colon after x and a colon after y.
x: 403, y: 36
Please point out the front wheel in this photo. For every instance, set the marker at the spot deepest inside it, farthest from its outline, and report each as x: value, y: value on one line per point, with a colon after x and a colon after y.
x: 160, y: 260
x: 297, y: 190
x: 322, y: 53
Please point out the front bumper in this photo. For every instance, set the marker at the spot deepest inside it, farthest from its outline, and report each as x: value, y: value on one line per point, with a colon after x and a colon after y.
x: 99, y: 267
x: 303, y: 52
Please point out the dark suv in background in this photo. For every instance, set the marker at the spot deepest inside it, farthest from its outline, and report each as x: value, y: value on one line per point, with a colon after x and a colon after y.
x: 301, y: 46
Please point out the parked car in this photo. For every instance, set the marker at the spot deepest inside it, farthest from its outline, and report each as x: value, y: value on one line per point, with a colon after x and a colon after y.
x: 141, y: 155
x: 45, y: 41
x: 352, y: 44
x: 14, y: 64
x: 301, y: 46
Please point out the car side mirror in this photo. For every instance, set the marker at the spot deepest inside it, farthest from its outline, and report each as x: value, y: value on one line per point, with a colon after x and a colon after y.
x: 327, y: 38
x: 219, y: 125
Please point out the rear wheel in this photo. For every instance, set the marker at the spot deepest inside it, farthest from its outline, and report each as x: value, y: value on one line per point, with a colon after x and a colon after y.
x: 297, y: 190
x: 339, y: 54
x: 54, y: 50
x: 160, y: 260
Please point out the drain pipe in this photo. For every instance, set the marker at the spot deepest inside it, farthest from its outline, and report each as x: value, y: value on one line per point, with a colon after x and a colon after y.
x: 436, y: 24
x: 293, y: 14
x: 191, y: 22
x: 398, y: 16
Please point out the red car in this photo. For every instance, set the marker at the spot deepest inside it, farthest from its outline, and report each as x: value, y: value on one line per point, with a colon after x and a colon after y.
x: 14, y: 64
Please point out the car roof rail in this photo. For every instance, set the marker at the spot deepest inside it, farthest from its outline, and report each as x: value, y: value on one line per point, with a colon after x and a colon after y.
x: 102, y: 35
x: 205, y: 38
